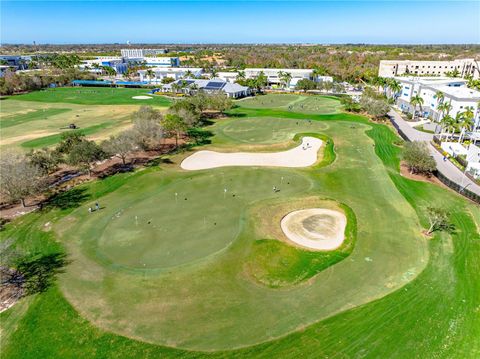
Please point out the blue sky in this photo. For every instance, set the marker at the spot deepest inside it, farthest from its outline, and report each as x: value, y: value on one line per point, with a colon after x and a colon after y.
x: 240, y: 22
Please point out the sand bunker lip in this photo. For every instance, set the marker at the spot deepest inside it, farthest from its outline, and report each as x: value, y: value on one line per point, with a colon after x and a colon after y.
x: 315, y: 228
x: 142, y: 97
x: 303, y: 155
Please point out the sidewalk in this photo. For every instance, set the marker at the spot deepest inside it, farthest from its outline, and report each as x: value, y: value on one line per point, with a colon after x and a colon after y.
x: 446, y: 168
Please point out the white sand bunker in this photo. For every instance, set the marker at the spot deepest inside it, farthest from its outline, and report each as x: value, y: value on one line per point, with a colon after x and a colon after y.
x: 315, y: 228
x: 142, y: 97
x: 303, y: 155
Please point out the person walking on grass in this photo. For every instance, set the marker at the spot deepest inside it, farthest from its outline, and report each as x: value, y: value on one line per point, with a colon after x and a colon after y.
x: 97, y: 206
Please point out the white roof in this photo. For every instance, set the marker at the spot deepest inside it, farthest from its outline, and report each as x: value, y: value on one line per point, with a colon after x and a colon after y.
x: 234, y: 87
x: 173, y: 69
x: 227, y: 87
x: 299, y: 71
x: 428, y: 81
x: 462, y: 92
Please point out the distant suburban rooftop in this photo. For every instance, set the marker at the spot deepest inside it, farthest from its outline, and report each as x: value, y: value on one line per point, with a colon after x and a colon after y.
x: 278, y: 70
x: 173, y: 69
x: 429, y: 80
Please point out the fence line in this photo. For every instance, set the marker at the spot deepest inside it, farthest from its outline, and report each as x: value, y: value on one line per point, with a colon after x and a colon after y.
x: 442, y: 177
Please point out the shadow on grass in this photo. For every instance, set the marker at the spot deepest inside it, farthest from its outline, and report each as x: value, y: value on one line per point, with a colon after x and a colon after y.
x: 237, y: 114
x: 200, y: 136
x: 158, y: 161
x: 39, y: 272
x: 65, y: 200
x: 116, y: 168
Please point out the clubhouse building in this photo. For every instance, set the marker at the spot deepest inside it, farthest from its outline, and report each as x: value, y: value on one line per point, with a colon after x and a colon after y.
x: 190, y: 86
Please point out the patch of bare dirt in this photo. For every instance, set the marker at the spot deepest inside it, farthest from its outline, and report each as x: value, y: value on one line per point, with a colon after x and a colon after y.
x: 11, y: 287
x: 405, y: 172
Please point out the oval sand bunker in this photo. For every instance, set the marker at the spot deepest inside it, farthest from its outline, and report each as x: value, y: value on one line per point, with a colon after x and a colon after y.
x: 141, y: 97
x: 315, y: 228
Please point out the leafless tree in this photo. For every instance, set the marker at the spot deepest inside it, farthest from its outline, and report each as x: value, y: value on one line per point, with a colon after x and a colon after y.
x: 19, y: 178
x: 120, y: 146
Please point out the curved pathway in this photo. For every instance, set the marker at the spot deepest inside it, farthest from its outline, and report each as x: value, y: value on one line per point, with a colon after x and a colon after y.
x: 448, y: 169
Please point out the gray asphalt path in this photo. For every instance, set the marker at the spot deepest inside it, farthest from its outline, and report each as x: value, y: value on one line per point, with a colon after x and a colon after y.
x: 447, y: 168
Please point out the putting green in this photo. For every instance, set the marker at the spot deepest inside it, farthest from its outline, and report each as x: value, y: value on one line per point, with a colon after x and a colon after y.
x: 136, y: 231
x: 122, y: 275
x: 308, y: 104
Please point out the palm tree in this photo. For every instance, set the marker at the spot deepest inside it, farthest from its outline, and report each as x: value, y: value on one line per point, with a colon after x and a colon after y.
x: 193, y: 88
x: 440, y: 97
x: 241, y: 76
x: 96, y: 66
x: 445, y: 122
x: 150, y: 74
x: 415, y: 101
x: 445, y: 108
x: 285, y: 78
x: 394, y: 87
x: 380, y: 83
x: 188, y: 74
x: 451, y: 125
x: 213, y: 72
x: 466, y: 122
x: 175, y: 87
x: 477, y: 112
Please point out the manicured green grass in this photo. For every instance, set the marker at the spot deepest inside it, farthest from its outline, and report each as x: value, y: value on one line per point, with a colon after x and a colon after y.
x: 93, y: 96
x: 384, y: 309
x: 293, y: 103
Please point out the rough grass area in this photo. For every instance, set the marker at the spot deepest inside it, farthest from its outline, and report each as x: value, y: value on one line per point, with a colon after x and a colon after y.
x: 35, y: 115
x: 293, y: 103
x: 93, y: 96
x: 396, y: 295
x: 31, y: 124
x: 51, y: 140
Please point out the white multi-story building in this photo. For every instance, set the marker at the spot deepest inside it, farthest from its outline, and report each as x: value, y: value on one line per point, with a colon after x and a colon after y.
x: 227, y: 76
x: 393, y: 68
x: 95, y: 65
x: 455, y: 92
x: 159, y: 61
x: 274, y: 78
x: 135, y: 53
x: 175, y: 73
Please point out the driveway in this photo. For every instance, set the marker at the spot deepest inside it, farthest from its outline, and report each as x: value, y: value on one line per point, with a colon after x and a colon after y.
x: 447, y: 168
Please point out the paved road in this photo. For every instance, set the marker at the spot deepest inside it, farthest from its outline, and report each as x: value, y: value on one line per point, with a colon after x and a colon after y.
x: 447, y: 168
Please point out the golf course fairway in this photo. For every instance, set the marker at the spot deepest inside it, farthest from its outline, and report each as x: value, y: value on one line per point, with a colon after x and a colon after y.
x: 175, y: 266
